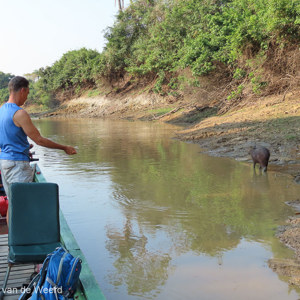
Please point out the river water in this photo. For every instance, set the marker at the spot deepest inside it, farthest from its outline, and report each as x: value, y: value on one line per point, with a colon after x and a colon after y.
x: 156, y: 219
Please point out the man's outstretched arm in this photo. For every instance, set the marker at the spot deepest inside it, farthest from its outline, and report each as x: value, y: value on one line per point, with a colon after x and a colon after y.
x: 22, y: 119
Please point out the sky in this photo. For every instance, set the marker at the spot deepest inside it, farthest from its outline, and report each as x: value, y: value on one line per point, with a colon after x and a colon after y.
x: 36, y: 33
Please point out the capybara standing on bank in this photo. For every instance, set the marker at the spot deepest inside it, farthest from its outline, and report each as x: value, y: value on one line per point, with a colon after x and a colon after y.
x: 261, y: 156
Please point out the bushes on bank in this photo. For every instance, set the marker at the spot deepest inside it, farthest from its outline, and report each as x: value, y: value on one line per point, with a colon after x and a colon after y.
x: 155, y: 39
x: 4, y: 80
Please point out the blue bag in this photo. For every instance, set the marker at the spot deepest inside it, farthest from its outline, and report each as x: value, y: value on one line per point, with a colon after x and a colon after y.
x: 57, y: 279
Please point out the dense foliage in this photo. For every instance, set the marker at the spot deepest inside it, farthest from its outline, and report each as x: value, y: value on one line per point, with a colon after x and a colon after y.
x: 75, y: 70
x: 169, y: 35
x: 4, y: 80
x: 156, y: 39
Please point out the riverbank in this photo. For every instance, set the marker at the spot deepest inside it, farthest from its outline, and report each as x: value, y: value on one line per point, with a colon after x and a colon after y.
x: 220, y: 129
x: 272, y: 122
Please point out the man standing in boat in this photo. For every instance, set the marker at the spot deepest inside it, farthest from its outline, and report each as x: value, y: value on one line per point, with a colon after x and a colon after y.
x: 15, y: 127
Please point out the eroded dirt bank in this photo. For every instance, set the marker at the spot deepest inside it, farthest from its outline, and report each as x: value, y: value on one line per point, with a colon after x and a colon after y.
x: 272, y: 122
x: 225, y: 130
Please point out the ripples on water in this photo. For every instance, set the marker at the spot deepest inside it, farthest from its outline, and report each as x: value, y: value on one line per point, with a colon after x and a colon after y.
x: 158, y: 220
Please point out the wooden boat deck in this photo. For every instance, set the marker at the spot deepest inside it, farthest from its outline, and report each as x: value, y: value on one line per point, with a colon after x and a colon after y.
x: 19, y: 275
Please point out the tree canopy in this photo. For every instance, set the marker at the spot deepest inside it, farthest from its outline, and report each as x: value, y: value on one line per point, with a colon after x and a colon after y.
x: 156, y: 39
x: 4, y: 80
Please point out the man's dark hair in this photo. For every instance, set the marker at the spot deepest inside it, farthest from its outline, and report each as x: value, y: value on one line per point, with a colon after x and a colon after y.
x: 16, y: 83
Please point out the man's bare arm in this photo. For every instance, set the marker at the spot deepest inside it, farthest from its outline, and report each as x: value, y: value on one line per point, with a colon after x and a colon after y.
x: 22, y: 119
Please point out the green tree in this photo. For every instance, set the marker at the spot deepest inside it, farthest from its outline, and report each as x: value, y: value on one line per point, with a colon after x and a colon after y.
x: 4, y: 80
x: 157, y: 39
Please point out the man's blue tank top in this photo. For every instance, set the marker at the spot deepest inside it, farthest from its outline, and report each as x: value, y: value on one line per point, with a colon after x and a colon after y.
x: 14, y: 144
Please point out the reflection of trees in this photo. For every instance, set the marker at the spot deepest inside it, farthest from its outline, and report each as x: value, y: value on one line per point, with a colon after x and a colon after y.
x: 137, y: 267
x: 201, y: 204
x: 212, y: 201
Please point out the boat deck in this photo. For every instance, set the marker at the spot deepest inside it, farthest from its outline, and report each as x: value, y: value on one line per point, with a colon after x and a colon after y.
x: 19, y: 275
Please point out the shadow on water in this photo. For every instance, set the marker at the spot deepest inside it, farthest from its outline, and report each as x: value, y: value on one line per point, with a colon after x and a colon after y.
x: 162, y: 221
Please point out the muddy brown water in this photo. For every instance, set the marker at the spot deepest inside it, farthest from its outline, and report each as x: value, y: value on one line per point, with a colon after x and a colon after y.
x: 156, y: 219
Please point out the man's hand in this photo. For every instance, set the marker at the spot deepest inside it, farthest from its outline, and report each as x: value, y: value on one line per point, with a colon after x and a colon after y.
x: 70, y: 150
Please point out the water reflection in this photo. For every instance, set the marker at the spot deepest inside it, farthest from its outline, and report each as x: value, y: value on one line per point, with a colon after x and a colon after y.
x: 140, y: 269
x: 161, y: 216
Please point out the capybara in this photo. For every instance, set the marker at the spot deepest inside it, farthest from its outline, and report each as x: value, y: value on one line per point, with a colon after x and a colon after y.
x: 261, y: 156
